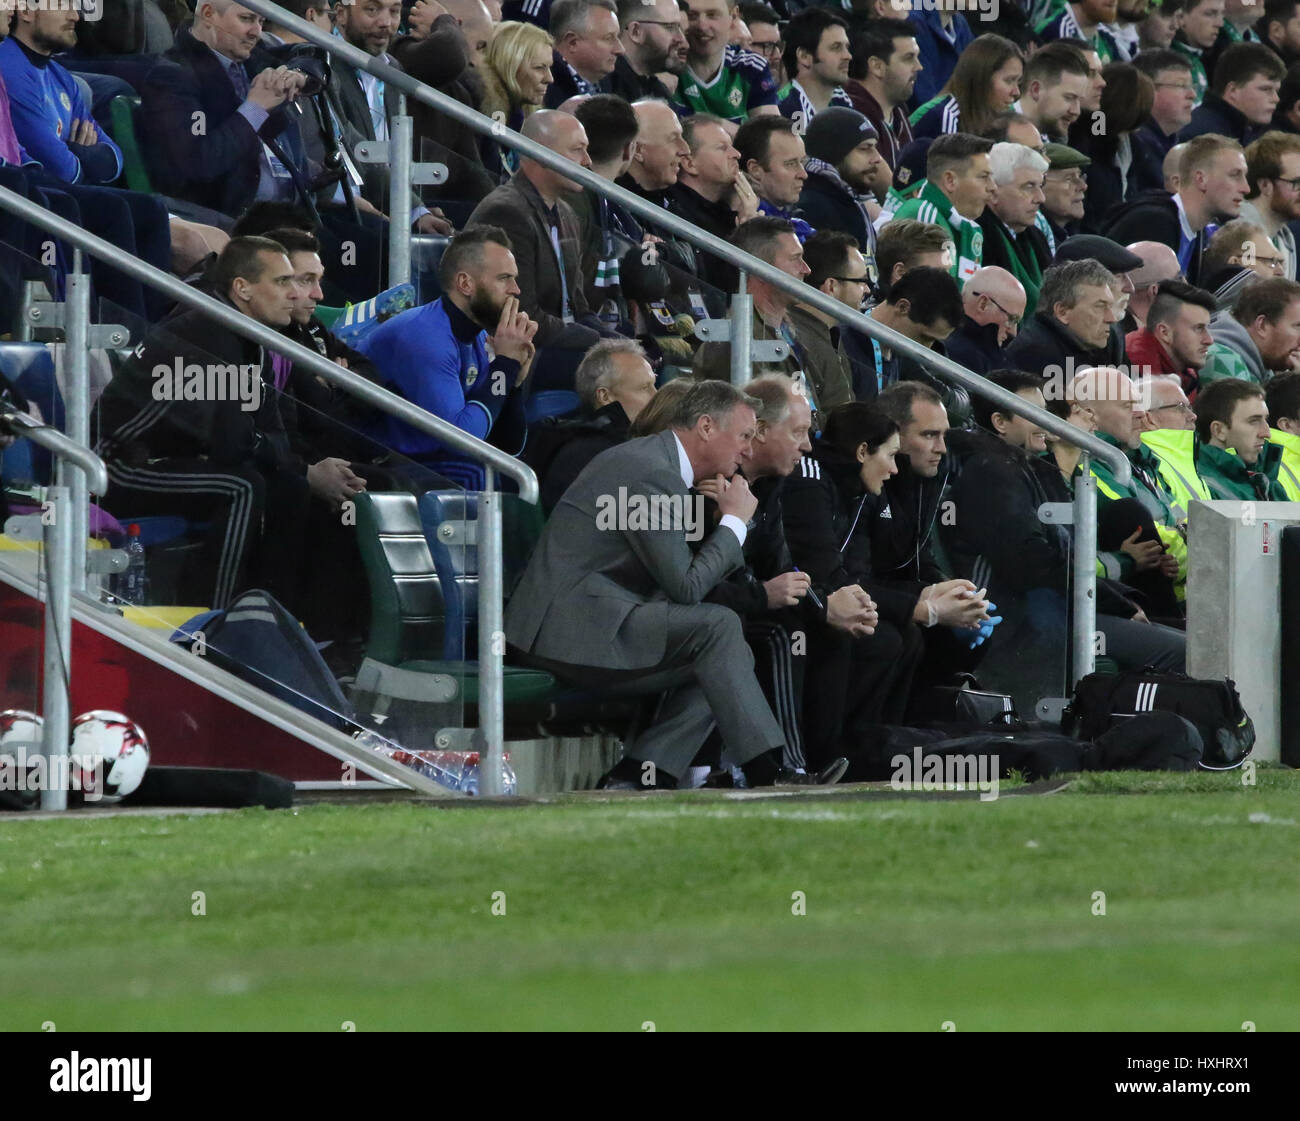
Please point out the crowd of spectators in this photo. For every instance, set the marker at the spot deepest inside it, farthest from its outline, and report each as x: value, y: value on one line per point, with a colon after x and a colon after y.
x: 1093, y: 204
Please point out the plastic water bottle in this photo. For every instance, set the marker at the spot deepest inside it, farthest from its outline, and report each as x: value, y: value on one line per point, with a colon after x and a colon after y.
x: 134, y: 582
x: 609, y: 316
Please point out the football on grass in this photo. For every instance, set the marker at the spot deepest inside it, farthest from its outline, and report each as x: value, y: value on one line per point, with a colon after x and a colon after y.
x: 119, y: 742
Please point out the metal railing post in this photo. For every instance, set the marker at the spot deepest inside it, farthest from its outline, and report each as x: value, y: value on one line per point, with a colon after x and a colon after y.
x: 1085, y: 571
x: 399, y: 196
x: 76, y: 406
x: 58, y: 643
x: 742, y: 333
x: 491, y: 642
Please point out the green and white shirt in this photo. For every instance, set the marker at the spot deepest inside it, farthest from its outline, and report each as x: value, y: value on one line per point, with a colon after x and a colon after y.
x: 742, y: 84
x: 967, y: 239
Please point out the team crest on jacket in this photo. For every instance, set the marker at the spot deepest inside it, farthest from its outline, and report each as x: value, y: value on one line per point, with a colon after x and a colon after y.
x: 734, y: 98
x: 977, y: 243
x: 471, y: 376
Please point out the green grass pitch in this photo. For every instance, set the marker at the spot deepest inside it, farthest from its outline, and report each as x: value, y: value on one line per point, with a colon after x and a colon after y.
x: 671, y: 910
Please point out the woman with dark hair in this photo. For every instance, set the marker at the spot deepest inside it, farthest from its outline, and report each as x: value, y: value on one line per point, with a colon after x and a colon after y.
x: 830, y: 506
x: 984, y: 83
x: 1125, y: 105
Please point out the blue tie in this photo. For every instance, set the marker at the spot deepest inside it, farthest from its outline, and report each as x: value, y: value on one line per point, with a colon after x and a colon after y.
x: 239, y: 79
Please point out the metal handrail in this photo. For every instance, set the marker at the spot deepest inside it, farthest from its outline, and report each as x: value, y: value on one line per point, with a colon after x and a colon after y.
x: 227, y: 316
x: 804, y: 293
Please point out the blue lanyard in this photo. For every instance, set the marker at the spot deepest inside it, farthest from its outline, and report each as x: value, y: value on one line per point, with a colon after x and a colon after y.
x: 880, y: 359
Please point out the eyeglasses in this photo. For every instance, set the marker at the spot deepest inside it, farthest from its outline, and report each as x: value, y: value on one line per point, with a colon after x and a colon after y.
x: 1012, y: 320
x: 1294, y: 184
x: 1181, y: 406
x: 768, y: 49
x: 850, y: 279
x: 1186, y: 86
x: 674, y: 24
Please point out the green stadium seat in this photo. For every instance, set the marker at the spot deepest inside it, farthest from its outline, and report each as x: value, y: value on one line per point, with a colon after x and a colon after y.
x: 123, y: 113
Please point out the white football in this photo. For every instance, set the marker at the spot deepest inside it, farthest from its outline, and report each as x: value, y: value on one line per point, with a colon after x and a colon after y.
x: 119, y: 742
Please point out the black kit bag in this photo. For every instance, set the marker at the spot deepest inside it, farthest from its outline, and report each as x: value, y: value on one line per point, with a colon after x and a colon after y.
x: 1101, y: 701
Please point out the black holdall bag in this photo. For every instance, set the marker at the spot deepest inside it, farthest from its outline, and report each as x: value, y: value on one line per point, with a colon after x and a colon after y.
x: 1102, y: 701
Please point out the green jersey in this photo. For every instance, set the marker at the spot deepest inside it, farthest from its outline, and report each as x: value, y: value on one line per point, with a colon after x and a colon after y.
x: 742, y: 84
x: 966, y: 237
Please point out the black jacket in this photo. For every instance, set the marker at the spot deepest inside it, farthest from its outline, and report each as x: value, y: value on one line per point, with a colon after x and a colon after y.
x: 903, y: 546
x: 218, y: 166
x: 136, y: 424
x: 1216, y: 115
x: 767, y: 555
x: 829, y: 520
x: 828, y: 204
x: 559, y: 449
x: 1153, y: 216
x: 976, y: 347
x: 1150, y: 147
x: 1044, y: 346
x: 716, y: 218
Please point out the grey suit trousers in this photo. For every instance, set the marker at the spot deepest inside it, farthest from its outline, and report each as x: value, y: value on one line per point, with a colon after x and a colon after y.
x: 706, y: 678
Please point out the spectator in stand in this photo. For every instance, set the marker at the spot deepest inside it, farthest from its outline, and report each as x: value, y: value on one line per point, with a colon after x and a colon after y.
x: 225, y: 458
x: 1171, y: 111
x: 436, y: 356
x: 1056, y: 81
x: 1211, y: 187
x: 1156, y: 31
x: 1286, y: 117
x: 587, y: 45
x: 658, y: 153
x: 1197, y: 33
x: 1258, y: 338
x: 721, y: 80
x: 993, y: 306
x: 905, y: 245
x: 535, y: 12
x: 921, y: 306
x: 943, y: 36
x: 1176, y: 338
x: 1273, y: 174
x: 843, y: 162
x: 772, y: 240
x: 615, y: 383
x: 623, y: 612
x: 958, y: 187
x: 1241, y: 102
x: 544, y: 235
x: 1159, y: 263
x: 1283, y: 399
x: 1238, y: 251
x: 652, y: 39
x: 1012, y: 127
x: 998, y: 537
x: 837, y: 268
x: 1071, y: 326
x: 1125, y: 103
x: 1169, y: 433
x: 1278, y: 28
x: 1065, y: 187
x: 764, y: 23
x: 831, y: 507
x: 438, y: 137
x: 1120, y: 263
x: 54, y: 129
x: 984, y: 83
x: 367, y: 104
x: 771, y: 154
x: 516, y: 76
x: 816, y: 57
x: 1233, y: 455
x: 1090, y: 20
x: 1012, y: 240
x: 882, y: 75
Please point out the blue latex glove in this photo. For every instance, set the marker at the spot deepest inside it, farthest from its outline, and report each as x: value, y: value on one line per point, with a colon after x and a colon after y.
x: 975, y: 636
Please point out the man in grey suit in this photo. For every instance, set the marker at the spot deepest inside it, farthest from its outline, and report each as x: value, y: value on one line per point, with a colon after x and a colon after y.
x: 612, y: 598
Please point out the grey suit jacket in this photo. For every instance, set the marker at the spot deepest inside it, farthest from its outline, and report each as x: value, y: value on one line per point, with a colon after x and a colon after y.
x: 596, y: 595
x: 518, y: 209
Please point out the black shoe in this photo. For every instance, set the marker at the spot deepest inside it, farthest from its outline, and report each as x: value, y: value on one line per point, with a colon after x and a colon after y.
x: 828, y: 776
x: 628, y: 775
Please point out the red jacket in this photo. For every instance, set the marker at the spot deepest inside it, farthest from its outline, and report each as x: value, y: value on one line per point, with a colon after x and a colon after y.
x: 1148, y: 358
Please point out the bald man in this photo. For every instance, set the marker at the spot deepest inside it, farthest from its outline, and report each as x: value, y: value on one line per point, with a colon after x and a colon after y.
x: 1152, y: 557
x: 993, y: 304
x: 658, y: 153
x: 1170, y: 168
x: 476, y: 24
x: 1159, y: 263
x: 546, y: 239
x: 1169, y: 432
